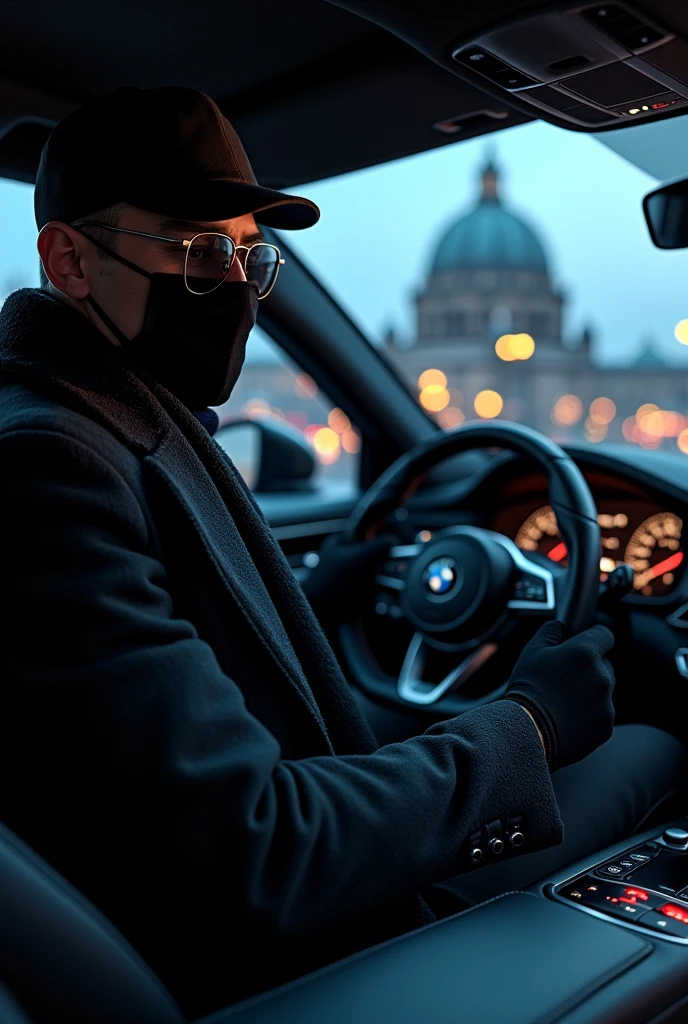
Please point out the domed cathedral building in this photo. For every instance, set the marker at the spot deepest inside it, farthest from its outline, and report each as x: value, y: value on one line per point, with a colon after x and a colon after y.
x: 489, y: 324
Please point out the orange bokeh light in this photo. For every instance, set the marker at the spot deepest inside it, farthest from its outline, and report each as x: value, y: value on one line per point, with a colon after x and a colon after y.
x: 488, y: 404
x: 434, y: 397
x: 567, y: 410
x: 602, y: 411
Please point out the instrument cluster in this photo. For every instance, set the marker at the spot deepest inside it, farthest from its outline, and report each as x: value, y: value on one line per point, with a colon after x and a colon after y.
x: 651, y: 544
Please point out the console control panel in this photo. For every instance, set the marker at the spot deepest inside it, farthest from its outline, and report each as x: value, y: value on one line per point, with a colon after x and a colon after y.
x: 646, y: 886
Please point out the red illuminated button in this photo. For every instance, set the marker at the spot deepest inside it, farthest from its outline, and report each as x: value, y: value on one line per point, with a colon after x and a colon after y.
x: 625, y: 909
x: 675, y: 912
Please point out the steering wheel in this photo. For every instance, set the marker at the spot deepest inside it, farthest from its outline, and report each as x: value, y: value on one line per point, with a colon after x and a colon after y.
x: 463, y: 587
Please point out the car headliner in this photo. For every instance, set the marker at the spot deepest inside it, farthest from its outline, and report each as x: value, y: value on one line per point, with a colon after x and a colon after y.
x: 313, y: 89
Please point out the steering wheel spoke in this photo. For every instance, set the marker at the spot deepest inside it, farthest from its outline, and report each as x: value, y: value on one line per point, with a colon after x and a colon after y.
x: 415, y: 690
x: 533, y: 590
x: 391, y: 574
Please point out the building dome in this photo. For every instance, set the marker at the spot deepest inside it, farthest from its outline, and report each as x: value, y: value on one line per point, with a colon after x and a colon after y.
x: 490, y: 236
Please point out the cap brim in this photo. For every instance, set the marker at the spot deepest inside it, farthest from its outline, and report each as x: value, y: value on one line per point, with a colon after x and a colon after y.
x: 222, y: 200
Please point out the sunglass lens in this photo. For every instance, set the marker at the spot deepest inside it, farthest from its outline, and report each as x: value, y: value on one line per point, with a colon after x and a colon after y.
x: 208, y: 262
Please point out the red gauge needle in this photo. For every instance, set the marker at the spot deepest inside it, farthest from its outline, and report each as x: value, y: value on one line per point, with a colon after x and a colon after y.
x: 672, y: 562
x: 558, y: 552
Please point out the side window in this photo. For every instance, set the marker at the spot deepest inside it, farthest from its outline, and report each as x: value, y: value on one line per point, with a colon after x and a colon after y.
x: 272, y: 387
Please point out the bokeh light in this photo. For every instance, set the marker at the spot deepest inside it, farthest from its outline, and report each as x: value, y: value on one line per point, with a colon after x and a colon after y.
x: 602, y: 411
x: 326, y: 442
x: 503, y: 348
x: 434, y: 397
x: 338, y: 421
x: 567, y: 411
x: 450, y: 418
x: 644, y: 410
x: 595, y: 432
x: 681, y: 332
x: 351, y: 442
x: 682, y: 442
x: 488, y: 404
x: 521, y: 346
x: 428, y: 378
x: 256, y: 408
x: 514, y: 347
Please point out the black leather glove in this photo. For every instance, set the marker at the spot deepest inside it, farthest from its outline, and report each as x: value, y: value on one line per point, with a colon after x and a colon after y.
x: 343, y: 575
x: 566, y: 685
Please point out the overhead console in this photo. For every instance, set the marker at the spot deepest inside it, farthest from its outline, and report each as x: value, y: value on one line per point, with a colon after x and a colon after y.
x: 593, y: 66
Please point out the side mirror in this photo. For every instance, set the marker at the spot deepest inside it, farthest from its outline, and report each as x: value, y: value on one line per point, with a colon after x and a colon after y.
x: 271, y: 455
x: 666, y: 214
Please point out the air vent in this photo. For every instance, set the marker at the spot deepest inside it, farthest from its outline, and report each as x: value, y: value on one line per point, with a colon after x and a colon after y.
x: 491, y: 67
x: 623, y: 26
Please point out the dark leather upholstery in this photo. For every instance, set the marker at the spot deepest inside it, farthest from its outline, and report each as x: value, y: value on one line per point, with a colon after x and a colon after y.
x: 518, y: 959
x: 60, y: 959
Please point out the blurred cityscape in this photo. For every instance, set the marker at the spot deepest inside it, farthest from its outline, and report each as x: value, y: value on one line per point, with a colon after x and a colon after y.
x: 489, y: 343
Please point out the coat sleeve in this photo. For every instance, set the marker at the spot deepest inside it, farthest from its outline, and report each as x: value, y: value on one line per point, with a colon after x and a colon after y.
x: 126, y: 749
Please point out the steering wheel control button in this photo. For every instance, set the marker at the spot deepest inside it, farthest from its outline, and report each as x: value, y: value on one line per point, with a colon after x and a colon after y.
x: 517, y: 839
x: 677, y: 837
x: 476, y: 855
x: 496, y: 846
x: 530, y: 588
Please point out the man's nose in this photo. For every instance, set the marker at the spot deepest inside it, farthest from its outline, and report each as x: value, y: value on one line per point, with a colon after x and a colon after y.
x: 236, y: 271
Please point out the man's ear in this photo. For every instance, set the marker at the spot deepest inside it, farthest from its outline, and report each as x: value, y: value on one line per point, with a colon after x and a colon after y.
x: 64, y: 255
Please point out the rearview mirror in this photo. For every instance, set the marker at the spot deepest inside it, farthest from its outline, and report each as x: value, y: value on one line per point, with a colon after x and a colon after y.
x: 272, y: 456
x: 666, y: 214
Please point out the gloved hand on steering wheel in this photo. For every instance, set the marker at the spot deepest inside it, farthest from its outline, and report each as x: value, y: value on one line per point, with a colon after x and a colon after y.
x: 343, y: 574
x: 566, y: 686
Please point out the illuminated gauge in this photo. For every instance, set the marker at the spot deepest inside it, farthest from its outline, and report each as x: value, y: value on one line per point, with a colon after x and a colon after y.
x: 654, y: 552
x: 540, y: 533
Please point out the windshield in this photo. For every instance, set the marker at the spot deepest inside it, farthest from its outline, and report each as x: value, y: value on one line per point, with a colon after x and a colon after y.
x: 515, y: 278
x: 511, y: 277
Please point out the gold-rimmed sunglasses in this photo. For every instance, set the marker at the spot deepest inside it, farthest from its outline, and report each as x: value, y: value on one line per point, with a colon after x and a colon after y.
x: 209, y: 256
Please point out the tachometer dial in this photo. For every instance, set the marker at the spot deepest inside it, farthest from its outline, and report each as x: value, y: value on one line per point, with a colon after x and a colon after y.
x: 654, y: 552
x: 541, y: 533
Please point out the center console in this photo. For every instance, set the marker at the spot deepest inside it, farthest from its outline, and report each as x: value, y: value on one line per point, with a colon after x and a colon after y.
x: 645, y: 887
x: 602, y: 942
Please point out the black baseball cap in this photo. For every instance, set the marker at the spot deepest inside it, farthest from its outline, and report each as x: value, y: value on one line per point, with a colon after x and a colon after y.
x: 169, y: 150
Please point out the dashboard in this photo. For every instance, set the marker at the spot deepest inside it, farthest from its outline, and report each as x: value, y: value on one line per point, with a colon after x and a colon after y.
x: 642, y: 533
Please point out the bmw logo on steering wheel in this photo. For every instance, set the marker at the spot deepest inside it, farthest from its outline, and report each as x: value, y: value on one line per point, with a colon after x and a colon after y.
x: 441, y: 576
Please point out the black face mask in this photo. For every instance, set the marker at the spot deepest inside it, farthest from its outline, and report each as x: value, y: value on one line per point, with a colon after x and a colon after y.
x: 194, y: 345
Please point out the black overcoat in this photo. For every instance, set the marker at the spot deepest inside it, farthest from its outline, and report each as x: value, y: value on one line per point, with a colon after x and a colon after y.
x: 176, y: 736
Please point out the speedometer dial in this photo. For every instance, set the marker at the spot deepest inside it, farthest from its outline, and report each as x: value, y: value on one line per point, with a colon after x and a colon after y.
x: 654, y: 552
x: 541, y: 533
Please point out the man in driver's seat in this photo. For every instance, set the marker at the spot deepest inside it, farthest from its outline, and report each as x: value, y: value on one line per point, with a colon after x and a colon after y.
x: 177, y: 737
